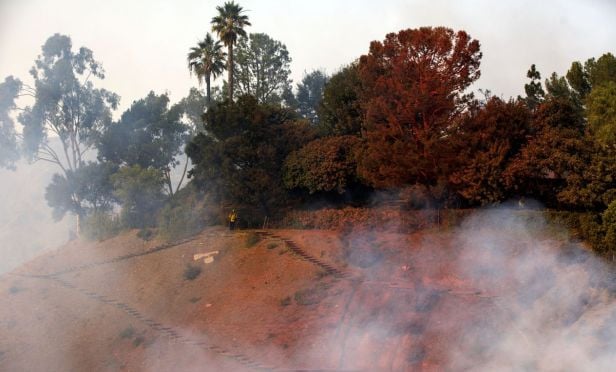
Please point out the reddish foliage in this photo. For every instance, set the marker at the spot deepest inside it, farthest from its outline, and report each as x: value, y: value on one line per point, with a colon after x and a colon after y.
x: 412, y: 91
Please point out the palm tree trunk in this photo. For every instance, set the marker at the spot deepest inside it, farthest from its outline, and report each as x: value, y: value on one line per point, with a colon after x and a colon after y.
x: 230, y: 72
x: 207, y: 87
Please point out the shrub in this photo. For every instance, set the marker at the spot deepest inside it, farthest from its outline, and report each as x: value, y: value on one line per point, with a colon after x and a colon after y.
x: 100, y: 226
x: 192, y: 272
x: 310, y: 296
x: 285, y: 301
x: 145, y: 234
x: 252, y: 239
x: 178, y: 222
x: 128, y: 332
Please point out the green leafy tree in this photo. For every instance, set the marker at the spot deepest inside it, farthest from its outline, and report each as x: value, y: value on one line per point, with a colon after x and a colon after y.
x: 578, y: 79
x: 309, y: 95
x: 601, y: 111
x: 229, y: 25
x: 240, y: 155
x: 206, y: 61
x: 339, y: 111
x: 324, y: 165
x: 556, y: 149
x: 534, y: 90
x: 262, y: 68
x: 602, y: 70
x: 9, y: 91
x: 83, y: 191
x: 194, y: 106
x: 558, y: 87
x: 140, y: 192
x: 594, y: 185
x: 66, y: 106
x: 150, y: 134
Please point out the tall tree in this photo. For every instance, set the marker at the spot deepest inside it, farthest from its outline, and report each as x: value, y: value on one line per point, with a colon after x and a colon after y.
x: 413, y: 87
x: 339, y: 111
x: 229, y: 25
x: 601, y: 111
x: 310, y: 93
x: 240, y: 155
x: 262, y: 68
x: 150, y: 134
x: 206, y: 61
x: 66, y: 105
x: 534, y: 91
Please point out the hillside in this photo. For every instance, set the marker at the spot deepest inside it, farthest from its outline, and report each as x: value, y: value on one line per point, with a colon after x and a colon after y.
x: 492, y: 294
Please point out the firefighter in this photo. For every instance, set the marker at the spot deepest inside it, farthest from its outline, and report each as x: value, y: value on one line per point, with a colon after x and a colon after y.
x: 232, y: 219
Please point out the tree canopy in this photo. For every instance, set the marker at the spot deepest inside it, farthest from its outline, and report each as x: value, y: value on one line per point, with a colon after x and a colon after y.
x: 229, y: 26
x: 206, y: 61
x: 413, y: 87
x: 262, y: 68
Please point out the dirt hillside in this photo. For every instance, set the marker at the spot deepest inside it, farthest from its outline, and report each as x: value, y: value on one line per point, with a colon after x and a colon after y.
x: 279, y: 300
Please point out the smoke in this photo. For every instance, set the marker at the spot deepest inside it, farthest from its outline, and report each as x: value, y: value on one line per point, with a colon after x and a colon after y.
x: 552, y: 301
x: 26, y: 224
x: 504, y: 291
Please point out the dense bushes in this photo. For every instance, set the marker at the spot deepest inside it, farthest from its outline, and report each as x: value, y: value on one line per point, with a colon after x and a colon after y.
x: 101, y: 226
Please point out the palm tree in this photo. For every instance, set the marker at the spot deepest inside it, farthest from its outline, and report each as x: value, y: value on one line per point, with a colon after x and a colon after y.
x: 229, y: 24
x: 206, y: 60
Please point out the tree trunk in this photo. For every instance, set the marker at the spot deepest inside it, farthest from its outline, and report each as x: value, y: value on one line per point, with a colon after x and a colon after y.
x: 230, y: 72
x: 207, y: 87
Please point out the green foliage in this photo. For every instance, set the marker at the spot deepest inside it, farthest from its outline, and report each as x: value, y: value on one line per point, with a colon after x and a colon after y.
x: 192, y: 272
x: 60, y: 76
x: 555, y: 151
x: 241, y: 154
x: 491, y: 136
x: 594, y: 187
x: 101, y: 226
x: 229, y: 25
x: 609, y: 223
x: 534, y: 91
x: 149, y: 134
x: 601, y: 110
x: 326, y: 164
x: 251, y: 239
x: 140, y: 192
x: 339, y: 112
x: 9, y: 90
x: 67, y: 105
x: 82, y: 191
x: 285, y: 301
x: 194, y: 106
x: 146, y: 234
x: 262, y: 68
x: 207, y: 61
x: 127, y: 332
x: 309, y: 95
x: 183, y: 218
x: 310, y: 296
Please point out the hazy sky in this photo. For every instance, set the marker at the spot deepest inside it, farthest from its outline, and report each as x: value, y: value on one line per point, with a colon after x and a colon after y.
x: 143, y: 44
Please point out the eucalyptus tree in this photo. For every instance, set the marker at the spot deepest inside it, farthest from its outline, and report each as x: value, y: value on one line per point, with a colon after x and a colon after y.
x: 206, y: 61
x: 67, y: 109
x: 229, y: 25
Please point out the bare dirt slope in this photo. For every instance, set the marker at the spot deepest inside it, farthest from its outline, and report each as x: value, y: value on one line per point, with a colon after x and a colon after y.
x: 295, y: 300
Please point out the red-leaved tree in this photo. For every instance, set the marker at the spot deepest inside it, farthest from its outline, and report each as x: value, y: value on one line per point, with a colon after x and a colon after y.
x: 413, y: 87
